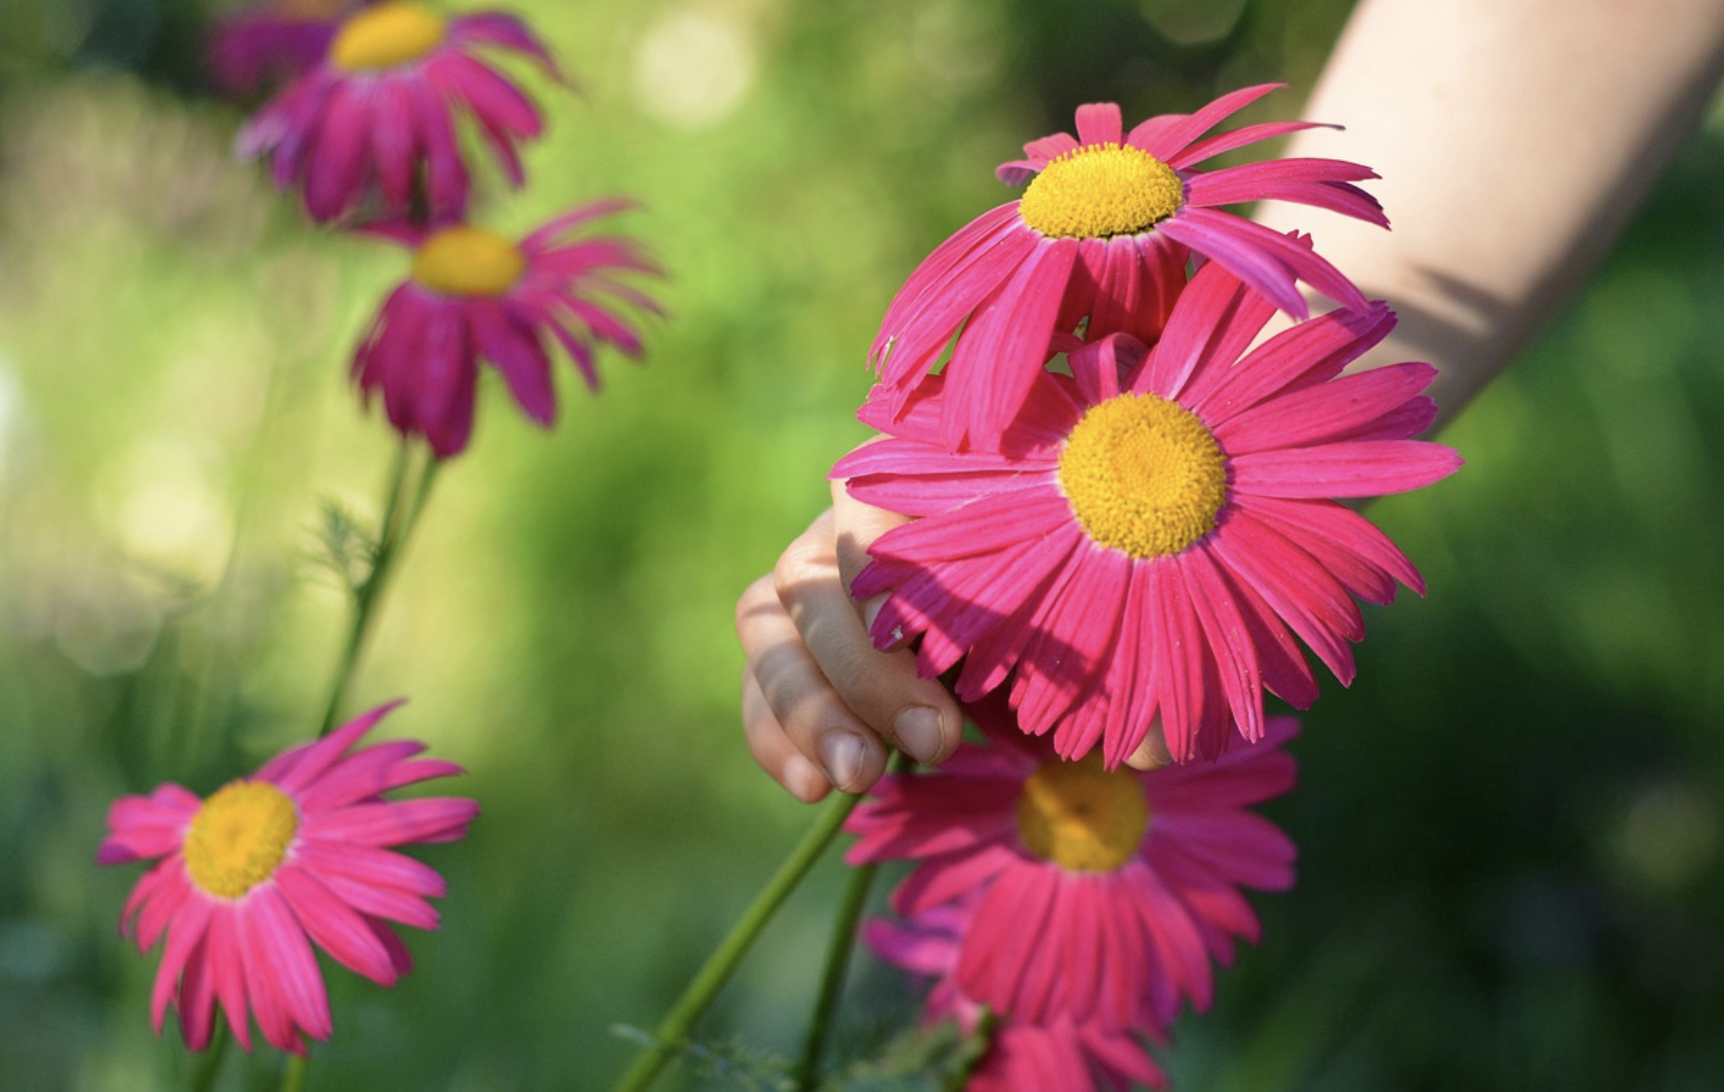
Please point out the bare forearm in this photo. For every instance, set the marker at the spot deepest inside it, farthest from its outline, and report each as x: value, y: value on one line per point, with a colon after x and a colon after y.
x: 1515, y: 138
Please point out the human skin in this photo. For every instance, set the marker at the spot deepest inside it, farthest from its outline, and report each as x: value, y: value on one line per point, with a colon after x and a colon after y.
x: 1515, y: 139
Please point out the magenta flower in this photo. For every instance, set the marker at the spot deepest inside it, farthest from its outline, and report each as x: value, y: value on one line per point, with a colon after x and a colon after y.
x: 1155, y: 524
x: 1102, y: 234
x: 249, y: 50
x: 1090, y: 896
x: 251, y: 876
x: 378, y: 112
x: 1059, y: 1057
x: 471, y: 294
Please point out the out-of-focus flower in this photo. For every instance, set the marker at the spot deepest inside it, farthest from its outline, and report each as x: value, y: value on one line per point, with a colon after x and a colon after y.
x: 1101, y: 238
x: 1090, y: 896
x: 248, y: 51
x: 247, y: 879
x: 1154, y: 524
x: 375, y: 118
x: 1061, y: 1056
x: 473, y: 294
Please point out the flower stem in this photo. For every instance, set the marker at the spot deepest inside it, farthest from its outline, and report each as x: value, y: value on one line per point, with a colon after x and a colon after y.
x: 204, y: 1070
x: 400, y: 514
x: 293, y: 1075
x: 807, y: 1076
x: 672, y: 1033
x: 832, y: 980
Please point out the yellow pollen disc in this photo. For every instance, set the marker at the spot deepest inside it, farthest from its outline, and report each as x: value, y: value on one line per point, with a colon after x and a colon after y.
x: 1143, y: 475
x: 238, y: 838
x: 468, y: 261
x: 1101, y: 190
x: 385, y: 36
x: 1082, y: 817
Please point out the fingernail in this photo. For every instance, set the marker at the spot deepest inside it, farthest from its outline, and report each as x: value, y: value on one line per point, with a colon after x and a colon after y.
x: 803, y: 779
x: 918, y: 732
x: 841, y: 754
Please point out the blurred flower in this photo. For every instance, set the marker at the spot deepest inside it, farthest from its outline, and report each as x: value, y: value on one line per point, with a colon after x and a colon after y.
x: 279, y: 40
x: 1155, y: 524
x: 378, y: 110
x: 471, y: 294
x: 251, y: 875
x: 1103, y: 233
x: 1092, y: 896
x: 1061, y: 1055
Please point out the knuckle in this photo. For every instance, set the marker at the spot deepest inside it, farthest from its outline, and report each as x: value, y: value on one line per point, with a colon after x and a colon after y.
x: 757, y: 597
x: 807, y: 560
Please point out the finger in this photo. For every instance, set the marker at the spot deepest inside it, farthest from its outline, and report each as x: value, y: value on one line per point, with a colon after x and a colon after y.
x: 772, y: 748
x: 1152, y: 753
x: 855, y: 527
x: 809, y: 711
x: 882, y: 688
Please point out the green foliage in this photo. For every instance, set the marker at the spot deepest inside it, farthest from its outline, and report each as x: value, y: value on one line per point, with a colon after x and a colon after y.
x: 1510, y: 827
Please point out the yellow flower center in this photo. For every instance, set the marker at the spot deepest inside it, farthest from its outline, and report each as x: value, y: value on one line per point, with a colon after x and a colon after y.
x: 1082, y: 817
x: 1101, y: 190
x: 468, y: 261
x: 385, y: 36
x: 1143, y: 475
x: 238, y: 838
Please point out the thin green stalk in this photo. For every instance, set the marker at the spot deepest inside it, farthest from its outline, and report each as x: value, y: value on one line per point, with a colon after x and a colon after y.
x: 400, y: 515
x: 672, y: 1033
x: 832, y: 980
x: 837, y: 963
x: 293, y: 1075
x: 204, y: 1070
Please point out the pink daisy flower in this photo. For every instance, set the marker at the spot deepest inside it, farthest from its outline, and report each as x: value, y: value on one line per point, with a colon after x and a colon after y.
x: 1103, y: 234
x: 280, y: 40
x: 249, y: 877
x: 1061, y: 1056
x: 1155, y: 524
x: 376, y: 114
x: 1091, y: 896
x: 473, y: 294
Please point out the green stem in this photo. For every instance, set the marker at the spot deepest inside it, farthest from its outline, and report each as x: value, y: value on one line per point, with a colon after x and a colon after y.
x: 850, y: 909
x: 209, y: 1062
x: 400, y: 515
x: 293, y: 1075
x: 672, y: 1033
x: 832, y: 980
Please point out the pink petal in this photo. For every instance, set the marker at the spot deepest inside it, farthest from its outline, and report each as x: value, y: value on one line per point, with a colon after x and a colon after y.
x: 946, y: 878
x: 393, y: 823
x: 1347, y: 530
x: 1100, y: 123
x: 1295, y: 586
x: 1312, y: 352
x: 334, y: 169
x: 519, y: 355
x: 1004, y: 347
x: 1361, y: 468
x: 1320, y: 183
x: 334, y: 926
x: 286, y: 986
x: 1229, y: 642
x: 1167, y: 136
x: 1318, y: 414
x: 502, y: 29
x: 227, y: 971
x: 1210, y: 147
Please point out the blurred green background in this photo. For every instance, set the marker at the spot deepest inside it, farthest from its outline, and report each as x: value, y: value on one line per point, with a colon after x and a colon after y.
x: 1510, y: 826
